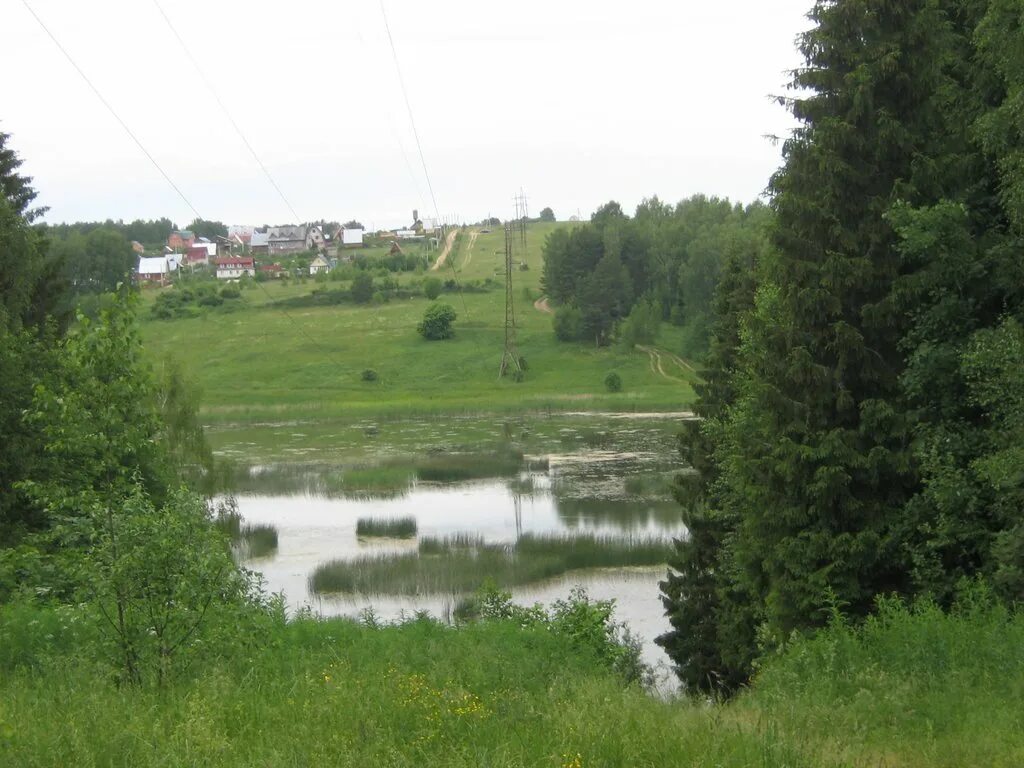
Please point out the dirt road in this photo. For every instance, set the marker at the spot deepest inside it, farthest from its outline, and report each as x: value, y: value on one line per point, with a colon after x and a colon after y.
x: 448, y: 243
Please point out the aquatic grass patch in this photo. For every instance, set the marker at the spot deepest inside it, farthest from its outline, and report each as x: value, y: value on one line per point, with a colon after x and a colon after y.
x: 387, y: 479
x: 444, y: 467
x: 434, y: 545
x: 458, y: 565
x: 256, y: 541
x: 247, y: 540
x: 386, y: 527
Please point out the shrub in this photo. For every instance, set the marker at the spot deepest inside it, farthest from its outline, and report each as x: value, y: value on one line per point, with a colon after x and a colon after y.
x: 641, y: 327
x: 432, y: 287
x: 362, y: 288
x: 369, y: 375
x: 210, y: 300
x: 568, y: 324
x: 613, y: 382
x: 230, y: 292
x: 437, y: 322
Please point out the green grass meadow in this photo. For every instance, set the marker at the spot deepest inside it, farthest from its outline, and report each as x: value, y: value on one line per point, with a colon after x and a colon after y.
x: 913, y: 689
x: 260, y: 362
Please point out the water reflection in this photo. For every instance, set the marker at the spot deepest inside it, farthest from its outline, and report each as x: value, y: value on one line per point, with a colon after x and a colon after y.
x: 315, y: 508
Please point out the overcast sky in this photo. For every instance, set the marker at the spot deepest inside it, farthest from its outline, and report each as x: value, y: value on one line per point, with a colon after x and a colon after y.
x: 576, y: 102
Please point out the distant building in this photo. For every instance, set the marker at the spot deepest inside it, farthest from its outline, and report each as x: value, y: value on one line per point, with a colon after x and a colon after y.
x: 200, y: 254
x: 242, y: 231
x: 287, y: 239
x: 234, y: 267
x: 315, y: 238
x: 319, y: 265
x: 407, y: 234
x: 351, y: 238
x: 181, y: 239
x: 259, y: 242
x: 156, y: 270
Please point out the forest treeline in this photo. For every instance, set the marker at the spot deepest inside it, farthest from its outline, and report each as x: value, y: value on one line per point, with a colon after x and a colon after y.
x: 863, y: 407
x: 622, y: 274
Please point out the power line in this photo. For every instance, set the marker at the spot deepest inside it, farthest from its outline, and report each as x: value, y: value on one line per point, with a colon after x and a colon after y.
x: 224, y: 109
x: 408, y: 106
x: 111, y: 109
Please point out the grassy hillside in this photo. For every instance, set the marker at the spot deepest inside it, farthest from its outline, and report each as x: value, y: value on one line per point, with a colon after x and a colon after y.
x: 912, y: 689
x: 265, y: 362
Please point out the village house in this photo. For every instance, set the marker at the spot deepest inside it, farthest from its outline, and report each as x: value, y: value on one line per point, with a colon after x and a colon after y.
x: 156, y: 270
x: 287, y: 239
x: 350, y: 238
x: 259, y: 242
x: 241, y: 231
x: 179, y: 240
x: 319, y: 265
x: 234, y: 267
x: 315, y: 239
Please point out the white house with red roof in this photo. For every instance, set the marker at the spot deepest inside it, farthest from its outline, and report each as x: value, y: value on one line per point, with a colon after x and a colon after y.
x: 234, y: 267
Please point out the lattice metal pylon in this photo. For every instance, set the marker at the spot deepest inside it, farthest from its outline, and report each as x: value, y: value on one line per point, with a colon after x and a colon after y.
x: 510, y: 360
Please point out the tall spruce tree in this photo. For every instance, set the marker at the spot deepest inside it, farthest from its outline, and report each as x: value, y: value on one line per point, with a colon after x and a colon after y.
x: 813, y: 462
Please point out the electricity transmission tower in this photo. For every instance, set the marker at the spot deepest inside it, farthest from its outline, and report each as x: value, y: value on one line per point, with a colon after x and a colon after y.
x: 510, y: 360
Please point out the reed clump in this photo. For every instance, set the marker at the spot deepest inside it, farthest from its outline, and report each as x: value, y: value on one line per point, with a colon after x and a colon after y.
x: 386, y: 527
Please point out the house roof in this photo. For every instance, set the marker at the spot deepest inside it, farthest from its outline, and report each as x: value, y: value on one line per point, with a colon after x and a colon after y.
x: 153, y: 265
x: 259, y: 239
x: 234, y: 261
x: 278, y: 234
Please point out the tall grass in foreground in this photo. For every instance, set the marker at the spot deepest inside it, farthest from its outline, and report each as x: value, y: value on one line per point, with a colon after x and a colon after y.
x: 913, y: 689
x: 389, y: 527
x: 462, y: 564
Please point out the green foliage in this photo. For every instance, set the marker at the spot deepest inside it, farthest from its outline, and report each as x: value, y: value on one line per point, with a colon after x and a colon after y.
x: 207, y: 229
x: 546, y: 214
x: 916, y: 689
x: 568, y: 323
x: 369, y: 374
x: 671, y: 256
x: 156, y: 574
x: 641, y: 325
x: 846, y: 446
x: 362, y: 288
x: 613, y: 382
x: 432, y: 287
x: 437, y: 322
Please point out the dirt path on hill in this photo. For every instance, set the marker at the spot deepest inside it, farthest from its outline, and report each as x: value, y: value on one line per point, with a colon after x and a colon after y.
x: 469, y: 248
x: 448, y: 243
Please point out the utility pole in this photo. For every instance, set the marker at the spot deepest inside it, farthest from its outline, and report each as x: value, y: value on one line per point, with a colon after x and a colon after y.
x: 510, y: 360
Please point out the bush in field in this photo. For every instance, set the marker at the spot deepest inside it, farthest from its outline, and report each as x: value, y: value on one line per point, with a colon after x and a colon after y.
x: 369, y: 375
x: 613, y: 382
x: 437, y: 322
x: 230, y: 292
x: 568, y: 323
x: 432, y: 287
x: 362, y: 288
